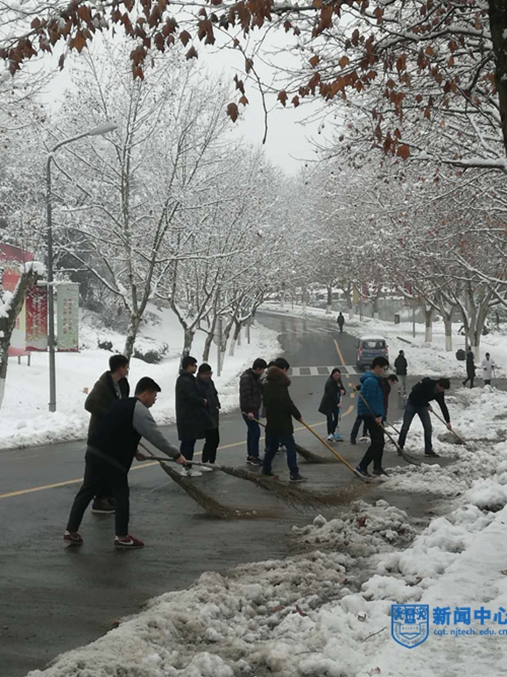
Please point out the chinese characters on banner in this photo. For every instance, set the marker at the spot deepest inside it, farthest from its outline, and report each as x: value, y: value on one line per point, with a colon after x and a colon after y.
x: 11, y: 259
x: 36, y: 302
x: 67, y: 309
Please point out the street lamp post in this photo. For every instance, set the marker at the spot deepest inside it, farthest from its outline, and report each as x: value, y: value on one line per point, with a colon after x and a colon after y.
x: 96, y: 131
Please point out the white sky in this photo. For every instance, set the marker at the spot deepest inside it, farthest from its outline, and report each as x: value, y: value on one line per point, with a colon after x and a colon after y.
x: 288, y: 144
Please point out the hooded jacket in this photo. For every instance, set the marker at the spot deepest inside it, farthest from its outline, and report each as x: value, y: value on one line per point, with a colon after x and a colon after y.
x: 372, y: 392
x: 279, y: 407
x: 102, y: 398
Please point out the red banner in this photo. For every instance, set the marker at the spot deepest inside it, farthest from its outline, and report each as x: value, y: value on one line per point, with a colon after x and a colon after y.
x: 10, y: 260
x: 36, y: 318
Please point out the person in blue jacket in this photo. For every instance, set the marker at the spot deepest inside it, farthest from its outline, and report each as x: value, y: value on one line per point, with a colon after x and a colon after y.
x: 371, y: 408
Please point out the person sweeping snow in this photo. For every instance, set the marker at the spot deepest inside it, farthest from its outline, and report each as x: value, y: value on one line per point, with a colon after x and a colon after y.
x: 331, y: 403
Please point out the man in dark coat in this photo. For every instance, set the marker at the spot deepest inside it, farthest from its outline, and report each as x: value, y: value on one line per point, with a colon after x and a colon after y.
x: 280, y: 410
x: 192, y: 418
x: 470, y: 368
x: 109, y: 455
x: 111, y: 386
x: 419, y: 403
x: 250, y: 400
x: 401, y: 366
x: 341, y: 321
x: 331, y: 403
x: 208, y: 391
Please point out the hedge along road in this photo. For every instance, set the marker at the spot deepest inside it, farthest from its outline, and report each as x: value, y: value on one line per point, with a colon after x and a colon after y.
x: 54, y: 598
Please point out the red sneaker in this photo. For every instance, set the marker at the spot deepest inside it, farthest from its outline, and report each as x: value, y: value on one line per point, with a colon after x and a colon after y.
x: 129, y: 542
x: 72, y: 539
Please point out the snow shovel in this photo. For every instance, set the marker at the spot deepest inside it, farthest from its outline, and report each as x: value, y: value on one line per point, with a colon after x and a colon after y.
x: 340, y: 458
x: 451, y: 429
x: 305, y: 453
x: 408, y: 458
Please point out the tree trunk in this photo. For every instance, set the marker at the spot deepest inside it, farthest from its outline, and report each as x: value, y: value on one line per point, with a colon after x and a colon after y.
x: 428, y: 329
x: 498, y: 27
x: 188, y: 339
x: 8, y: 322
x: 236, y: 337
x: 329, y: 300
x: 448, y: 331
x: 133, y: 328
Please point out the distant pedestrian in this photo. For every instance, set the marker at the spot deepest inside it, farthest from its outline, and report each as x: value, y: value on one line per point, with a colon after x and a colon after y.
x: 208, y: 391
x: 330, y: 404
x: 470, y: 368
x: 250, y: 400
x: 401, y: 367
x: 109, y: 455
x: 341, y: 321
x: 280, y: 410
x: 371, y: 408
x: 192, y: 418
x: 111, y: 386
x: 419, y: 403
x: 488, y: 366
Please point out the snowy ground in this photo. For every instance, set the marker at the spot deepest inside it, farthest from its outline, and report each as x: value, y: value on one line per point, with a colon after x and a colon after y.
x: 429, y: 359
x: 26, y: 421
x: 327, y: 612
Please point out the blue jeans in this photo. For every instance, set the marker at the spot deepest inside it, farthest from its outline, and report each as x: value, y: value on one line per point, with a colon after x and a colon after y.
x: 187, y: 449
x: 253, y: 435
x: 424, y: 415
x: 272, y: 444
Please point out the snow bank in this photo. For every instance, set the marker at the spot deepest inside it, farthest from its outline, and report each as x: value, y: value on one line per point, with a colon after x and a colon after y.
x: 326, y: 612
x: 25, y: 420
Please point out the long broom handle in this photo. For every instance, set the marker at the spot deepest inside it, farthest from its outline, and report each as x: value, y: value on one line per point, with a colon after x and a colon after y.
x: 398, y: 448
x: 165, y: 459
x: 451, y: 429
x: 328, y: 446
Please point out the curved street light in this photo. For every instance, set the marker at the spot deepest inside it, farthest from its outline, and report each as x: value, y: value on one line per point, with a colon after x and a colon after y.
x: 99, y: 130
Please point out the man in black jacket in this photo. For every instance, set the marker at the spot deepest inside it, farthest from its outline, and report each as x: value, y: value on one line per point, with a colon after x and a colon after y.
x: 279, y: 412
x: 111, y: 386
x: 250, y: 400
x: 401, y: 366
x: 208, y: 391
x: 192, y: 419
x: 419, y: 403
x: 109, y: 455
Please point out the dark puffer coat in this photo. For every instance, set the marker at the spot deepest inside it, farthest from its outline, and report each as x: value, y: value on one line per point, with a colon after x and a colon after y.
x: 279, y: 407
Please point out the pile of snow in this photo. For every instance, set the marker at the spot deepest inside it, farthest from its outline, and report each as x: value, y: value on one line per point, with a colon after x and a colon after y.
x: 327, y: 612
x: 25, y: 418
x: 428, y: 359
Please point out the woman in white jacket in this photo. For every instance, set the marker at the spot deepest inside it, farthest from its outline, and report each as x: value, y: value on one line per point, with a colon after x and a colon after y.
x: 487, y: 365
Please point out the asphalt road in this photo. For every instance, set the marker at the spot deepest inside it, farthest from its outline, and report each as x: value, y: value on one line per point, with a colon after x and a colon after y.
x: 54, y: 598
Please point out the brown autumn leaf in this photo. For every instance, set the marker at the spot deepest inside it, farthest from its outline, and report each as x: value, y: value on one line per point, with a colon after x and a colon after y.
x: 248, y: 65
x: 403, y: 151
x: 78, y: 42
x: 244, y: 100
x: 185, y: 37
x: 295, y: 101
x: 344, y: 61
x: 192, y: 53
x: 282, y: 97
x: 314, y: 60
x: 232, y: 111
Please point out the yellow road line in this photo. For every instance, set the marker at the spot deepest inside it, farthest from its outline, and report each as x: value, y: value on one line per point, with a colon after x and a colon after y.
x: 339, y: 352
x: 45, y: 487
